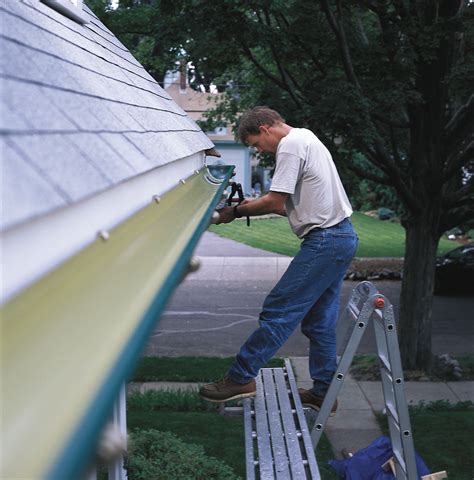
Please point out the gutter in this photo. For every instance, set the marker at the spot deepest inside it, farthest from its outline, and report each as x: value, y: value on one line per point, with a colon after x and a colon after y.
x: 70, y: 340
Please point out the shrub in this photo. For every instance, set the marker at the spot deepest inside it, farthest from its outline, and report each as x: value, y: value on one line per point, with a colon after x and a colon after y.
x: 156, y: 455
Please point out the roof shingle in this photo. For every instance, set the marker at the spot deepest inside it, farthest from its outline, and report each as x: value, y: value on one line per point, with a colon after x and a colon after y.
x: 80, y: 114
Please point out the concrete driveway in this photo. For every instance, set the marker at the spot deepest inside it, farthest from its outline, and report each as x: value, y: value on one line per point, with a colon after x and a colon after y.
x: 215, y: 309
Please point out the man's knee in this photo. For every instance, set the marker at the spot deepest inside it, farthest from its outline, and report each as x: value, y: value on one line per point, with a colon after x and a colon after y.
x: 277, y: 330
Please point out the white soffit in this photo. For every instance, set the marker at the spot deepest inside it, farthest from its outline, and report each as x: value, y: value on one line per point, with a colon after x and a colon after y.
x: 31, y: 250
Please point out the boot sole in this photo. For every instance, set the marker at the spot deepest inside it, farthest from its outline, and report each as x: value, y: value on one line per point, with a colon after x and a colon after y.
x: 235, y: 397
x: 316, y: 409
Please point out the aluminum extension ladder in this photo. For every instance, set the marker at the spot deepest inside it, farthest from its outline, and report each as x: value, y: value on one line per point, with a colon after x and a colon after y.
x: 368, y: 304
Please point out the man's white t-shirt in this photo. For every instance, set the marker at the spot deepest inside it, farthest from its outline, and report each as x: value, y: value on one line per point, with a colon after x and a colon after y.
x: 306, y: 170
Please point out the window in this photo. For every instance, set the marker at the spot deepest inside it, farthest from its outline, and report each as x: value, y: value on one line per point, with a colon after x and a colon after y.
x: 69, y: 8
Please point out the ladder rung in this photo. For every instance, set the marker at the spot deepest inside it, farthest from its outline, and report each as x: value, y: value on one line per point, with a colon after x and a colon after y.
x: 353, y: 310
x: 393, y: 412
x: 398, y: 455
x: 385, y: 363
x: 378, y: 316
x: 385, y: 373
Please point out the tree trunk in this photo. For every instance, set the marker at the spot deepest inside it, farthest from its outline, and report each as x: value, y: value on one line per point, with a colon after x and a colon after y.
x: 417, y: 288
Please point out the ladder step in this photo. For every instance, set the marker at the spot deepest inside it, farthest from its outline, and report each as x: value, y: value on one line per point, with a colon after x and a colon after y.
x: 299, y: 434
x: 353, y: 310
x: 257, y: 463
x: 401, y: 462
x: 388, y: 375
x: 385, y: 363
x: 393, y: 412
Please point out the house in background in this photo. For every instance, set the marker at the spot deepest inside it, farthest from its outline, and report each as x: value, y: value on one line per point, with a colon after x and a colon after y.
x: 105, y: 194
x: 195, y: 104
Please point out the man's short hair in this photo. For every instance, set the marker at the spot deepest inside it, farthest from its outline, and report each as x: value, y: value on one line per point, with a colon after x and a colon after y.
x: 252, y: 119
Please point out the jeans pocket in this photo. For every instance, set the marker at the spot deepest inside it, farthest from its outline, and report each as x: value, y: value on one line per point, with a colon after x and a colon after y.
x: 344, y: 247
x: 314, y: 242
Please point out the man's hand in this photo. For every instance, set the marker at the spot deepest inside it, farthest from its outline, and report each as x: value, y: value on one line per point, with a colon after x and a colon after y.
x: 272, y: 202
x: 226, y: 215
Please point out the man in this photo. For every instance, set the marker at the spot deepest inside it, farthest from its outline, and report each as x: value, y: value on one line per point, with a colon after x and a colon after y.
x: 305, y: 187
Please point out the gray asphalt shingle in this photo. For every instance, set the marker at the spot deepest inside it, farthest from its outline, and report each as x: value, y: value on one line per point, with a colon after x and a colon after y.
x: 79, y: 112
x: 29, y: 100
x: 103, y: 157
x: 61, y: 164
x: 30, y: 191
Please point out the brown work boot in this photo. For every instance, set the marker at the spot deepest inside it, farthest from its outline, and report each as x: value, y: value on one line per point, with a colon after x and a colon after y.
x: 311, y: 400
x: 226, y: 390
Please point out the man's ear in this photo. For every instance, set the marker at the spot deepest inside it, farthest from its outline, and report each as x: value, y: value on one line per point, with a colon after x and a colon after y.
x: 263, y: 129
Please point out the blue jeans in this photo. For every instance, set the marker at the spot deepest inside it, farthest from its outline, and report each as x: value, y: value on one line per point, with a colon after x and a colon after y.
x: 307, y: 294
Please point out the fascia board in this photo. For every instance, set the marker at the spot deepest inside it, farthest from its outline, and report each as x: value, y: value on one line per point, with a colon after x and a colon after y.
x: 69, y: 341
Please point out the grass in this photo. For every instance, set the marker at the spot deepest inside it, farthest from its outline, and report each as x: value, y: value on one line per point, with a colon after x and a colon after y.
x: 194, y: 421
x: 366, y: 367
x: 377, y: 238
x: 443, y: 437
x: 186, y: 369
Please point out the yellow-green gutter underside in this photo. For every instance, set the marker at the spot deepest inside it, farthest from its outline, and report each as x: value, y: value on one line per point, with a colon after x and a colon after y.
x: 68, y: 341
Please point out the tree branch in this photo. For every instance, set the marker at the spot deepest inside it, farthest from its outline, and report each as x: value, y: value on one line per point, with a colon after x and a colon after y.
x: 281, y: 69
x: 459, y: 116
x: 401, y: 9
x: 292, y: 32
x: 463, y: 196
x: 338, y: 30
x: 394, y: 147
x: 458, y: 159
x: 396, y: 175
x: 455, y: 217
x: 369, y: 175
x: 388, y: 121
x: 260, y: 67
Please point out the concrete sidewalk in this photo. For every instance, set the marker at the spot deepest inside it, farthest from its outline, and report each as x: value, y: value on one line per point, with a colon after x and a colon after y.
x: 355, y: 425
x: 212, y: 245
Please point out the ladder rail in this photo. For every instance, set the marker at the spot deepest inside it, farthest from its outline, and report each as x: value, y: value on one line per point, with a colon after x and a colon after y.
x: 341, y: 372
x: 367, y: 304
x: 386, y: 338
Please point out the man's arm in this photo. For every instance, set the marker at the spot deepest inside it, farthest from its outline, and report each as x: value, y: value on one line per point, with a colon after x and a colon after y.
x: 272, y: 202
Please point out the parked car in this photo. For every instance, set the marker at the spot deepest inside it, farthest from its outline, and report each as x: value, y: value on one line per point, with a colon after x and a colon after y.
x: 455, y: 270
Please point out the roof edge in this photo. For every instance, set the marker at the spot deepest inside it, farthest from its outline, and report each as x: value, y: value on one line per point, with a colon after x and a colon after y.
x: 32, y: 249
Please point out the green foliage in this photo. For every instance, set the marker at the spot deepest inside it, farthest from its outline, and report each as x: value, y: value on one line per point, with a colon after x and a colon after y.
x: 221, y: 437
x: 186, y: 369
x: 163, y: 456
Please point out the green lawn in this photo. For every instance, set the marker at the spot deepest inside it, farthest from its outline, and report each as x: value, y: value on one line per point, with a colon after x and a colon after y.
x: 376, y: 238
x: 194, y: 421
x: 443, y: 437
x: 186, y: 369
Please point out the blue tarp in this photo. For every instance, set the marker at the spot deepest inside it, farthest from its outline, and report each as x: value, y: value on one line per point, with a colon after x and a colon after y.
x: 366, y: 464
